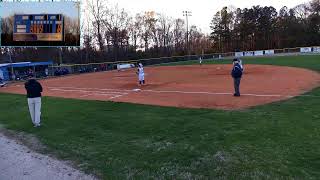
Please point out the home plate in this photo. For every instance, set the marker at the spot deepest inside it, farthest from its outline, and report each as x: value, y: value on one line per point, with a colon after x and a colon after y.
x: 135, y: 90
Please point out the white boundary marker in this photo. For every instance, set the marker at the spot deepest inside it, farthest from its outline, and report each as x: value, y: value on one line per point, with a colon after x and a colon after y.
x: 113, y: 94
x: 95, y: 94
x: 212, y: 93
x: 99, y: 89
x: 86, y: 91
x: 121, y: 92
x: 113, y: 97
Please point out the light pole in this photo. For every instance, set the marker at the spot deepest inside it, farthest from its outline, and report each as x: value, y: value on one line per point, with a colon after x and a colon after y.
x: 60, y: 56
x: 11, y: 63
x: 77, y: 5
x: 187, y: 14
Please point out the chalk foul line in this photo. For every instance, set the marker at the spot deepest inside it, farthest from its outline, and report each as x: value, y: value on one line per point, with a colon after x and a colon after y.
x: 122, y: 92
x: 88, y: 93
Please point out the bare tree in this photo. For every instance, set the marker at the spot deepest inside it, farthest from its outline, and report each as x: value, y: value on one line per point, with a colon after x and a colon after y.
x: 178, y: 34
x: 98, y: 11
x: 302, y: 11
x: 164, y: 26
x: 135, y: 31
x: 148, y: 26
x: 7, y: 25
x: 87, y: 38
x: 117, y: 23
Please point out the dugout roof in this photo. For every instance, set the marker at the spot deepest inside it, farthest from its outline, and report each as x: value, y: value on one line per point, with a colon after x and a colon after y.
x: 26, y: 64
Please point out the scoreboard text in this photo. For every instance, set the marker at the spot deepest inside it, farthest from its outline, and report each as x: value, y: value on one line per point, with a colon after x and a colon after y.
x: 38, y: 27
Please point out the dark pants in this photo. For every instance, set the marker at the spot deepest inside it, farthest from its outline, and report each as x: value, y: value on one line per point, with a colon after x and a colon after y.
x: 236, y: 82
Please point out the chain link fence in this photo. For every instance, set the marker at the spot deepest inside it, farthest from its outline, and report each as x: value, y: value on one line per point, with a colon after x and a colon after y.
x: 65, y: 69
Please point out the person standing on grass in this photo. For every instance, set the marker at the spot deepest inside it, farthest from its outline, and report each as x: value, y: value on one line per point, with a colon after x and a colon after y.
x: 236, y: 74
x: 34, y: 89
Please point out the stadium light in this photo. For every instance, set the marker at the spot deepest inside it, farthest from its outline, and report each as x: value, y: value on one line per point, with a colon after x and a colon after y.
x: 187, y: 14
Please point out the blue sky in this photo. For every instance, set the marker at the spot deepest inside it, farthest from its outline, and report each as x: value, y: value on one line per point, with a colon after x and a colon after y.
x: 66, y: 8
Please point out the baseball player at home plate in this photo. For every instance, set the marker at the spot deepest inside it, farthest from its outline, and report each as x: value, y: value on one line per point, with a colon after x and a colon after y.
x: 140, y: 73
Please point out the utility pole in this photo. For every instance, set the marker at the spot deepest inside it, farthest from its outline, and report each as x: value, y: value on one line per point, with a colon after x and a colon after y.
x: 60, y: 56
x: 187, y: 14
x: 10, y: 59
x: 77, y: 5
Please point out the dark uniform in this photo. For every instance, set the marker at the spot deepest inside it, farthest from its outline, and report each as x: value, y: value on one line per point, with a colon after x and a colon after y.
x: 236, y: 74
x: 34, y: 90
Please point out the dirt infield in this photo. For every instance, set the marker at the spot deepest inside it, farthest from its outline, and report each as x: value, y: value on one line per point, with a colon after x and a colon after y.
x: 208, y: 86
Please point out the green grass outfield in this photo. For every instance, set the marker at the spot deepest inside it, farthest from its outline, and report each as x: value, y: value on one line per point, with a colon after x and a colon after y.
x: 128, y: 141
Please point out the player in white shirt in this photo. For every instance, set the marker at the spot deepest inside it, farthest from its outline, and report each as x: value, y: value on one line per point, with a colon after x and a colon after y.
x: 140, y: 73
x: 200, y: 60
x: 240, y: 63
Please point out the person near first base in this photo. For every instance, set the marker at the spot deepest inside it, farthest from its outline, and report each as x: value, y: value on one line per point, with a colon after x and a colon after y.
x: 236, y: 74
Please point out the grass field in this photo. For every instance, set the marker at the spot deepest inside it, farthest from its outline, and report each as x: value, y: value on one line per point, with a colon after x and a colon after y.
x: 129, y: 141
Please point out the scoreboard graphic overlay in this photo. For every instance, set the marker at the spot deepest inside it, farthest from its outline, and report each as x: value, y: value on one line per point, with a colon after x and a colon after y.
x: 38, y: 27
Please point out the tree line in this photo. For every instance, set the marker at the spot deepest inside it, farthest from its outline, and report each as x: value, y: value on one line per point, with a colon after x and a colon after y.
x: 260, y: 28
x: 110, y: 33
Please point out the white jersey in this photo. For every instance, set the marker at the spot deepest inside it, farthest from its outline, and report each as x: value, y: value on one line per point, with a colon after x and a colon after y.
x: 240, y: 63
x: 141, y: 71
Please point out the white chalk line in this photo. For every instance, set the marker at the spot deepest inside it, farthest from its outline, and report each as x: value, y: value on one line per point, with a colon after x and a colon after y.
x: 97, y: 94
x: 117, y: 96
x: 92, y: 93
x: 174, y: 91
x: 99, y: 89
x: 213, y: 93
x: 86, y: 91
